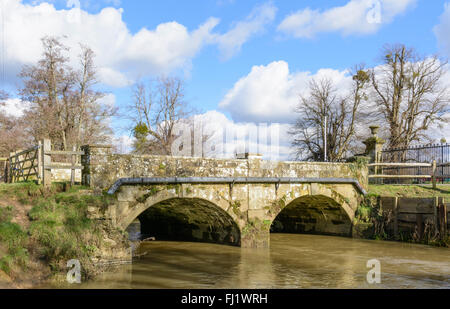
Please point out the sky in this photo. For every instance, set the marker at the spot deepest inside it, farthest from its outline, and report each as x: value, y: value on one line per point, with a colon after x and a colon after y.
x: 244, y: 62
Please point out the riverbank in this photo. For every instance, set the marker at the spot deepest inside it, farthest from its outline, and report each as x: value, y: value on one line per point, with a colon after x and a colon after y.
x: 406, y: 213
x: 42, y: 229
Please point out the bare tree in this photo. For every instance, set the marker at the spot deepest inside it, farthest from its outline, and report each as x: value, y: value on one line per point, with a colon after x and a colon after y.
x: 409, y: 95
x: 157, y: 110
x: 46, y: 87
x: 12, y: 135
x: 325, y: 105
x: 64, y: 105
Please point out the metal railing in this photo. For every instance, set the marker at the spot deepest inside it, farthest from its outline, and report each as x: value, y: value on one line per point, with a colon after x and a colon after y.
x: 413, y: 157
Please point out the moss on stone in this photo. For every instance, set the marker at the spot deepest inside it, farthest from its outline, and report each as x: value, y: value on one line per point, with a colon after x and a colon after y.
x: 235, y: 206
x: 176, y: 187
x: 151, y: 191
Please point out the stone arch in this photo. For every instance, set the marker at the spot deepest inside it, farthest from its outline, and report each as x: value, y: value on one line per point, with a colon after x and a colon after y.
x: 313, y: 214
x: 202, y: 209
x: 345, y: 195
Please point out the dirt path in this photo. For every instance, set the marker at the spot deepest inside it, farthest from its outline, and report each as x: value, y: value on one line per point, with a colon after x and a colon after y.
x: 20, y: 212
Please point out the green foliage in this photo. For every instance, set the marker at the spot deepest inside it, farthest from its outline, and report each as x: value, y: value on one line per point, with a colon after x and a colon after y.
x: 6, y: 214
x: 140, y: 130
x: 151, y: 191
x: 236, y: 205
x: 362, y: 76
x: 364, y: 213
x: 60, y: 224
x: 59, y: 230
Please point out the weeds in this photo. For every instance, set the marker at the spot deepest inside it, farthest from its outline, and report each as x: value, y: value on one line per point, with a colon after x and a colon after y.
x: 59, y: 230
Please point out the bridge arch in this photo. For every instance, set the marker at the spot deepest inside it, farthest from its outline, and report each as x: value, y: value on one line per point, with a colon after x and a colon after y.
x: 171, y: 213
x: 313, y: 214
x: 314, y: 209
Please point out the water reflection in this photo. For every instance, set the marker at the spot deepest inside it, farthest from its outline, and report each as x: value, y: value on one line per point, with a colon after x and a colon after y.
x: 294, y: 261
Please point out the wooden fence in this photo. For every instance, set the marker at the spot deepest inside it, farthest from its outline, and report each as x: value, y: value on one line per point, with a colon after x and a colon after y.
x: 416, y: 215
x: 377, y: 171
x: 36, y: 163
x: 4, y: 163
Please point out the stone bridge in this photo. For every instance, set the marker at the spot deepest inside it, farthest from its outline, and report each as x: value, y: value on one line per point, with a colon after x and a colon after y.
x: 237, y: 202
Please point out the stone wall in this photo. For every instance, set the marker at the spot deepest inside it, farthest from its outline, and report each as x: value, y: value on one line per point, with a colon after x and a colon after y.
x: 102, y: 168
x: 63, y: 175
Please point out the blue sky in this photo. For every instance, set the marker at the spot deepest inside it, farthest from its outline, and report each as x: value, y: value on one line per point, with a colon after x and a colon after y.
x: 283, y: 42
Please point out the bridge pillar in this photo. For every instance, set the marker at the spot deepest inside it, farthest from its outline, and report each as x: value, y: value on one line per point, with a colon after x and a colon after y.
x: 374, y: 145
x: 92, y: 160
x: 374, y: 148
x: 256, y: 233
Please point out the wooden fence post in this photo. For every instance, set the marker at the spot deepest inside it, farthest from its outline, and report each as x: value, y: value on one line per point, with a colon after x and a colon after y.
x: 11, y: 167
x: 46, y: 162
x: 437, y: 219
x: 396, y: 211
x: 7, y: 171
x: 442, y: 218
x: 433, y: 174
x: 72, y: 171
x: 40, y: 163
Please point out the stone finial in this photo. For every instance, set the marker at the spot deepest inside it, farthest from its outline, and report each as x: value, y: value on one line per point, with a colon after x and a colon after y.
x: 374, y: 130
x: 374, y: 145
x: 248, y: 156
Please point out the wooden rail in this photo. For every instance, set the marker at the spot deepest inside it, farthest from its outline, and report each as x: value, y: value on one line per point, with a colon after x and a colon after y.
x: 24, y: 164
x: 432, y: 165
x: 36, y: 163
x: 401, y: 164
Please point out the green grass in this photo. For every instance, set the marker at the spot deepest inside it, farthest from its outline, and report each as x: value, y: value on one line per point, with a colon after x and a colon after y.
x: 14, y: 240
x: 59, y: 230
x: 410, y: 191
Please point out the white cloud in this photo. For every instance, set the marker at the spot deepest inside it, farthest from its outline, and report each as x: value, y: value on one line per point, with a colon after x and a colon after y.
x: 108, y: 100
x: 270, y: 93
x: 122, y: 56
x: 14, y: 107
x: 356, y: 17
x: 442, y: 30
x: 231, y: 42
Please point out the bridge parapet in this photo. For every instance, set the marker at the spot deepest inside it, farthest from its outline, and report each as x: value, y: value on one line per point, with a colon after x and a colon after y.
x: 102, y: 168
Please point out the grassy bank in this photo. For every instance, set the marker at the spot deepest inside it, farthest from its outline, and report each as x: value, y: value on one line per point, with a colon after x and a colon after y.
x: 44, y: 228
x: 410, y: 191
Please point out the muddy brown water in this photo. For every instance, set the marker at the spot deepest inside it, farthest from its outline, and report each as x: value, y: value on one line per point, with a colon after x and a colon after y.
x: 293, y: 261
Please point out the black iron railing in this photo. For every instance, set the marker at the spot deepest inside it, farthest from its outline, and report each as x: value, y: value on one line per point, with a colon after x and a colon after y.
x: 418, y: 154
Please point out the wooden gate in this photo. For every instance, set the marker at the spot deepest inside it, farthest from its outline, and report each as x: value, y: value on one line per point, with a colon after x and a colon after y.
x: 24, y: 165
x: 36, y: 164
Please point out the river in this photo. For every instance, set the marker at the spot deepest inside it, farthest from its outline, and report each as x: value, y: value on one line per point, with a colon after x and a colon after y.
x: 293, y: 261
